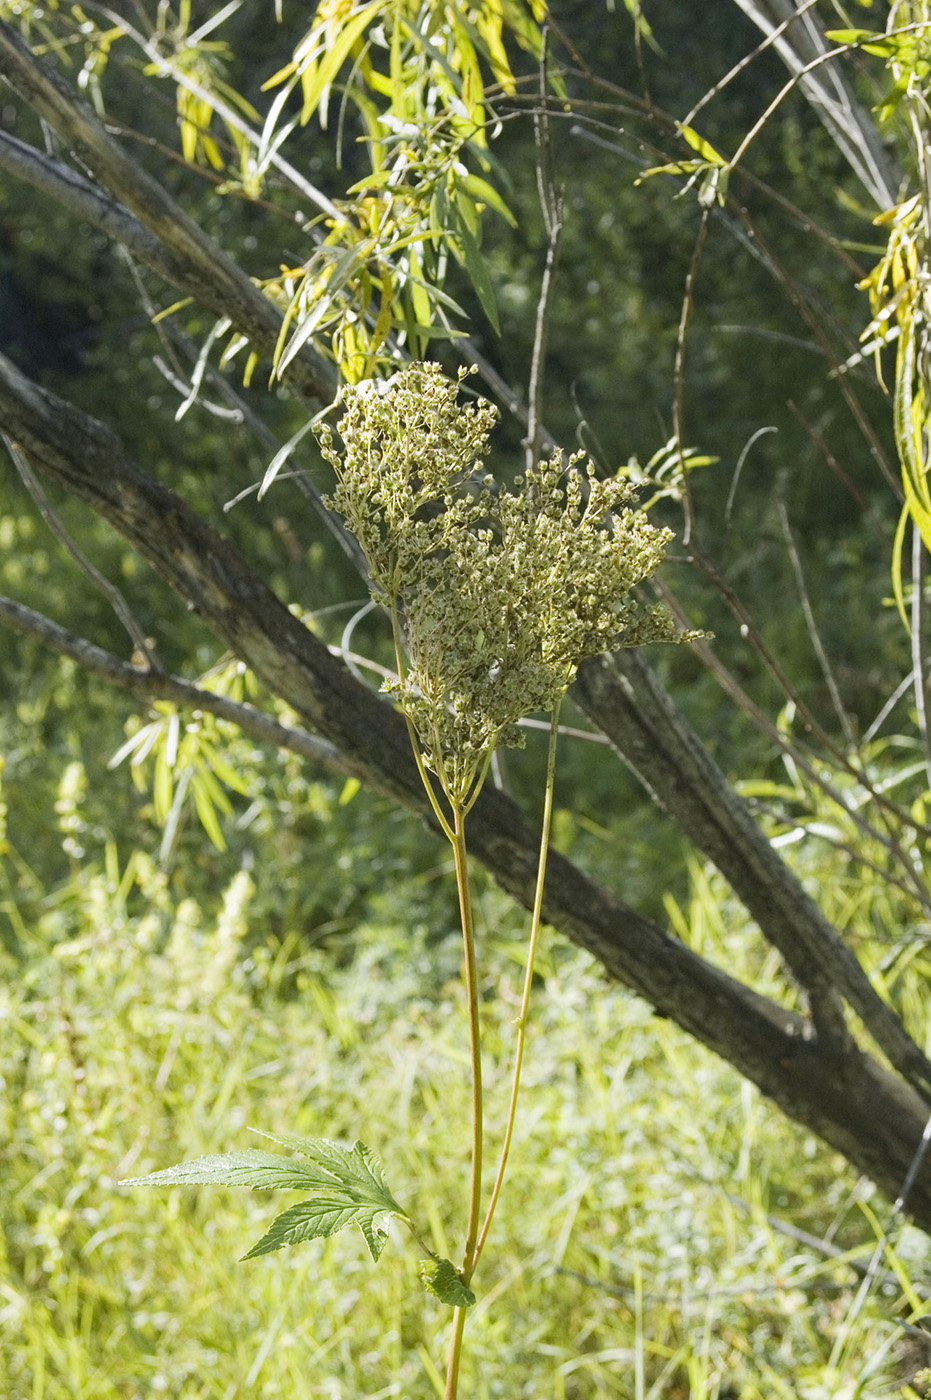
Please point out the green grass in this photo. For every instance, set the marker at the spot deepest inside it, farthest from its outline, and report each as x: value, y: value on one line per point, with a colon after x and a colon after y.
x: 632, y: 1256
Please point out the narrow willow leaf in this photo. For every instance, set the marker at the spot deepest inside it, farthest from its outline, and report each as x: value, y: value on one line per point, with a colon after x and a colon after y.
x: 909, y: 418
x: 143, y: 737
x: 350, y: 787
x: 170, y: 310
x: 220, y: 767
x: 897, y: 549
x: 281, y: 456
x: 163, y: 788
x: 485, y: 193
x: 676, y: 167
x: 880, y: 45
x: 476, y: 267
x: 211, y: 788
x: 699, y: 144
x: 336, y: 54
x: 441, y: 1278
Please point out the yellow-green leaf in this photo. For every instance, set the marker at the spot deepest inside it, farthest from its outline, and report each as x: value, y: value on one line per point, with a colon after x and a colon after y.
x: 477, y: 269
x: 206, y: 811
x: 336, y: 56
x: 484, y: 193
x: 699, y: 144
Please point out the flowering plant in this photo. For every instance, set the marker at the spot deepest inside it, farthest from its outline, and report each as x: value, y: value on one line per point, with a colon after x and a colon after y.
x: 495, y: 598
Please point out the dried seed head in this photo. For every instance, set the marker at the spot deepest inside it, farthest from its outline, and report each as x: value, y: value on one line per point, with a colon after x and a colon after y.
x: 503, y: 595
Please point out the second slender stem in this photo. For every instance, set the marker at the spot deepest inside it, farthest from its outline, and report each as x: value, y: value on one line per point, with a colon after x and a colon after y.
x: 535, y: 923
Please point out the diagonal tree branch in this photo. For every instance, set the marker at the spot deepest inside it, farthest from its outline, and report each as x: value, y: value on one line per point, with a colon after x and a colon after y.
x: 86, y: 200
x: 623, y: 697
x: 838, y: 1091
x: 200, y: 266
x: 152, y: 684
x: 109, y: 590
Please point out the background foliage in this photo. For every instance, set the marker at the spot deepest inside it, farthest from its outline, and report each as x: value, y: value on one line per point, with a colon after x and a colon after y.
x: 644, y: 1251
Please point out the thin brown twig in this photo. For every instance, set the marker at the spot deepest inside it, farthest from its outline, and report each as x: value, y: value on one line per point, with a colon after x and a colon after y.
x: 661, y: 156
x: 212, y: 177
x: 232, y: 118
x: 551, y: 206
x: 142, y: 643
x: 745, y: 62
x: 789, y: 86
x: 172, y: 336
x: 817, y: 645
x: 913, y: 886
x: 818, y: 439
x: 679, y: 373
x: 751, y: 633
x: 814, y: 323
x: 162, y: 685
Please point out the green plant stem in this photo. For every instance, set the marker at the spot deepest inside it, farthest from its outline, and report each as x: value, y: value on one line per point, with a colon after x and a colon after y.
x: 456, y: 836
x: 528, y: 979
x: 475, y: 1050
x: 475, y: 1044
x: 412, y: 734
x: 455, y: 1353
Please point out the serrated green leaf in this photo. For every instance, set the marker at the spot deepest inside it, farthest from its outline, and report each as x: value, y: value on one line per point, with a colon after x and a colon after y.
x: 357, y: 1168
x: 441, y: 1278
x: 262, y: 1171
x: 315, y: 1220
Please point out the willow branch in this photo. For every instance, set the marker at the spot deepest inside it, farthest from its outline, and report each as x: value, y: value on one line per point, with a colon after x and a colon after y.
x: 623, y: 698
x: 110, y: 591
x: 918, y: 641
x: 190, y: 259
x: 551, y: 207
x: 151, y: 684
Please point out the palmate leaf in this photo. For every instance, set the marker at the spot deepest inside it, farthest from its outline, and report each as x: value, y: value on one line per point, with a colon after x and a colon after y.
x: 348, y: 1186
